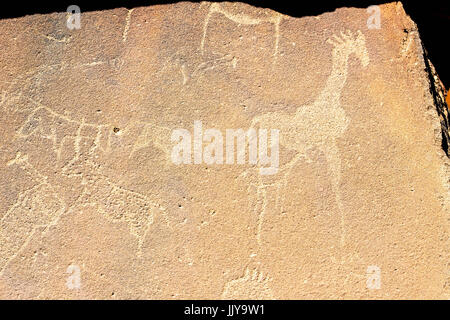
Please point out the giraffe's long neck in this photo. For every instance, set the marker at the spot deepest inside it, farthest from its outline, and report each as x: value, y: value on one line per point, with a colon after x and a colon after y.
x: 331, y: 93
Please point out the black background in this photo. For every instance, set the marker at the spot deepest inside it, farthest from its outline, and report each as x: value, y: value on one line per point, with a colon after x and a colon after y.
x: 272, y: 309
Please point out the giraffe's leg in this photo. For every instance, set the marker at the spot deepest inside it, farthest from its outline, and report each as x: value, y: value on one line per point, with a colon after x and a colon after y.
x: 260, y: 207
x: 334, y: 168
x: 278, y: 199
x: 263, y: 200
x: 288, y: 167
x: 261, y: 215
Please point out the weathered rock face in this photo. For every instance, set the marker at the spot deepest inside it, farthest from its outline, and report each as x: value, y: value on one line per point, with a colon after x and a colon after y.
x: 117, y: 181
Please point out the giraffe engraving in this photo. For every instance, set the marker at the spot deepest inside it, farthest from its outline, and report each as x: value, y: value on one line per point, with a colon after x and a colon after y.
x: 311, y: 128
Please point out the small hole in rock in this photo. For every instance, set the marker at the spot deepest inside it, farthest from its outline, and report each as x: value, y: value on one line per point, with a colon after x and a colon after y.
x: 116, y: 130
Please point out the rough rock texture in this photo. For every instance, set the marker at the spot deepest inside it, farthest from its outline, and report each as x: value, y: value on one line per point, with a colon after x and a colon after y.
x: 92, y: 206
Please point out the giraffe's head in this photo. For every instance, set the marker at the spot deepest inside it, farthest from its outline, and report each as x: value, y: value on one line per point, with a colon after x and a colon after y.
x: 349, y: 43
x: 360, y: 49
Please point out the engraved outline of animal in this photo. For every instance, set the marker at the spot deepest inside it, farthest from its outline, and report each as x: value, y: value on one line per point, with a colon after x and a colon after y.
x: 116, y: 202
x: 309, y: 128
x: 143, y: 202
x: 29, y: 213
x: 242, y: 19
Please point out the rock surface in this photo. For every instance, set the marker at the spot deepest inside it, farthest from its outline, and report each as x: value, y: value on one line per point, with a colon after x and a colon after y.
x: 93, y: 206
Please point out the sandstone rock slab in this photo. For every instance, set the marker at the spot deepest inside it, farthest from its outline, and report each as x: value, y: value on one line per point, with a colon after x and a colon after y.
x: 93, y: 204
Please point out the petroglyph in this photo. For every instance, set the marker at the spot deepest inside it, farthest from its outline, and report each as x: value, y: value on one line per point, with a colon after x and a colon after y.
x: 48, y: 124
x: 127, y: 25
x: 243, y: 19
x: 309, y: 128
x: 184, y: 74
x: 87, y: 178
x: 115, y: 202
x: 22, y: 82
x: 178, y: 61
x: 118, y: 203
x: 62, y: 40
x: 222, y: 59
x: 252, y: 285
x: 36, y: 208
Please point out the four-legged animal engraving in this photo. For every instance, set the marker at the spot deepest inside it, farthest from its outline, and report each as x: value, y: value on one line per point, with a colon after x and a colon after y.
x: 114, y: 201
x: 244, y: 20
x: 318, y: 125
x: 36, y: 208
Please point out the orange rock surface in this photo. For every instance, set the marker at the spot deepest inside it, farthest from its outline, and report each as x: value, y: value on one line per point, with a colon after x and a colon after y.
x: 94, y: 206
